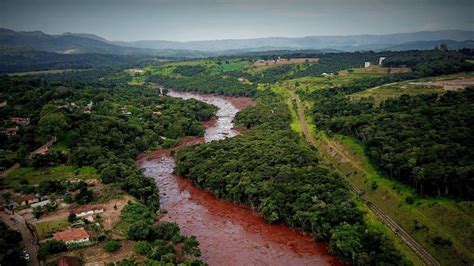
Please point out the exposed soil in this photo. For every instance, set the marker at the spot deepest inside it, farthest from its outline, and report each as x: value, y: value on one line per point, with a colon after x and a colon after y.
x: 96, y: 255
x: 229, y: 234
x: 449, y: 85
x: 285, y: 61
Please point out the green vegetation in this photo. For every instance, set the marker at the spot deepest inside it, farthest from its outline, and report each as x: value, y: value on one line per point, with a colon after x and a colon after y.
x: 10, y: 249
x: 48, y: 227
x: 382, y: 93
x: 399, y: 136
x: 51, y: 247
x: 111, y: 246
x: 105, y: 128
x: 61, y: 172
x: 52, y: 71
x: 274, y: 172
x: 156, y: 240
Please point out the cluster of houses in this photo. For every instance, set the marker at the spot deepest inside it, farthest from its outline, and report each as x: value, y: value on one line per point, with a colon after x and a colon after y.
x: 17, y: 122
x: 79, y: 235
x: 28, y: 200
x: 73, y: 106
x: 72, y: 235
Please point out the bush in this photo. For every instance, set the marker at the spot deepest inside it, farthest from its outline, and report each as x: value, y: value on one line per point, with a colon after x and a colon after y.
x: 374, y: 185
x: 140, y: 231
x: 72, y: 218
x: 111, y: 246
x: 409, y: 200
x: 51, y: 247
x: 167, y: 230
x: 143, y: 248
x: 442, y: 242
x: 191, y: 246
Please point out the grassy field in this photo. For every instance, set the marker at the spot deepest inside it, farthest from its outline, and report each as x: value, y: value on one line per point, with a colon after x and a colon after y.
x: 383, y: 93
x: 285, y: 94
x: 47, y: 227
x: 213, y: 67
x: 310, y: 84
x: 60, y: 172
x: 425, y: 219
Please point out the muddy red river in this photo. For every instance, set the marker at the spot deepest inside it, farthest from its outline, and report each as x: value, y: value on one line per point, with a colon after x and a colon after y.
x: 228, y: 234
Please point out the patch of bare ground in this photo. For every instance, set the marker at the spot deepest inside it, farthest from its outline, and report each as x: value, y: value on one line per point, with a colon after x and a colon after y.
x: 283, y: 61
x: 96, y: 255
x: 449, y: 85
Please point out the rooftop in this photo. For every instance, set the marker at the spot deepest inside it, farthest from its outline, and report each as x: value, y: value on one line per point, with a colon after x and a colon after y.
x: 71, y: 234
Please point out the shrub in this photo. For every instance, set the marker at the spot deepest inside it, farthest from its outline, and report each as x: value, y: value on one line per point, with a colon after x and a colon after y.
x: 51, y: 247
x: 374, y: 185
x: 140, y: 231
x: 191, y: 246
x: 111, y: 246
x: 442, y: 242
x: 167, y: 230
x: 72, y: 218
x: 409, y: 200
x: 143, y: 248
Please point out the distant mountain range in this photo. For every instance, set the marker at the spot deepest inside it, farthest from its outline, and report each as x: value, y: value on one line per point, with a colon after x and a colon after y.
x: 344, y: 43
x: 74, y: 43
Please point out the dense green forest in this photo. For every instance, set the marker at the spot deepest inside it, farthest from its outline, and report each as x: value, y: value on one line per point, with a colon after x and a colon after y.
x: 203, y: 83
x: 272, y: 170
x: 22, y: 61
x: 422, y: 140
x: 101, y: 127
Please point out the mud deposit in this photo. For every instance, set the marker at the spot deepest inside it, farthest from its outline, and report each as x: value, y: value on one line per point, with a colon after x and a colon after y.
x: 229, y: 234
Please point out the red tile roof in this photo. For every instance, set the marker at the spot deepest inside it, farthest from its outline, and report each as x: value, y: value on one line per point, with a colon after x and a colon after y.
x: 27, y: 198
x: 71, y: 234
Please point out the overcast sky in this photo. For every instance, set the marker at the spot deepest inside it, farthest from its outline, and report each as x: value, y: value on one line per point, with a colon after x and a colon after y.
x: 184, y: 20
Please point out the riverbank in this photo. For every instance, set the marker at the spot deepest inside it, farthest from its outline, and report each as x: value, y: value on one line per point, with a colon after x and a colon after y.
x: 229, y: 234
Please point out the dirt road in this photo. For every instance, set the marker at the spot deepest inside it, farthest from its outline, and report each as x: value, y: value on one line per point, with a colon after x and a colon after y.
x: 398, y: 230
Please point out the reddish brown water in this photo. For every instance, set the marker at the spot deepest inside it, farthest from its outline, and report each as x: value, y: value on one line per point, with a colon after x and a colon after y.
x: 229, y: 234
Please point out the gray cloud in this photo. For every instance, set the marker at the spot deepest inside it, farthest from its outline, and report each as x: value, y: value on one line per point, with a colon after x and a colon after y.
x: 220, y: 19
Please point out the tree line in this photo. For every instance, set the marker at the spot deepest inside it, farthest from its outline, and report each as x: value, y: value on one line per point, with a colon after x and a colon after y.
x: 421, y: 140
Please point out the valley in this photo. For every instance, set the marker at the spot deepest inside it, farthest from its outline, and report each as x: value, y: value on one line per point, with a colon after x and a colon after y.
x: 225, y: 162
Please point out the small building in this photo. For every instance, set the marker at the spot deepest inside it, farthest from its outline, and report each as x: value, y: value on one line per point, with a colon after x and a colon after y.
x: 68, y: 261
x: 381, y: 60
x: 366, y: 64
x: 11, y: 131
x: 327, y: 74
x: 87, y: 211
x: 26, y: 200
x: 73, y: 236
x: 88, y: 108
x: 20, y: 121
x: 40, y: 204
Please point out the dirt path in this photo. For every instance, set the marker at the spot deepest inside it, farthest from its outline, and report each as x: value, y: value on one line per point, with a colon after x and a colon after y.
x: 398, y: 230
x: 9, y: 170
